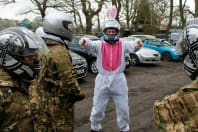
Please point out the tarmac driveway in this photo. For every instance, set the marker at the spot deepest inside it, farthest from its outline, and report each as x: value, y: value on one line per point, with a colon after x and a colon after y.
x: 146, y: 84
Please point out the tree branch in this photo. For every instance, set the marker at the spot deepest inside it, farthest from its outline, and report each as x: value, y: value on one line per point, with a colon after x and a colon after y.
x: 190, y: 12
x: 7, y: 2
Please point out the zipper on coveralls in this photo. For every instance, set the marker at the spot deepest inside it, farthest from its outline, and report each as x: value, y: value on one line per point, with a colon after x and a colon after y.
x: 111, y: 58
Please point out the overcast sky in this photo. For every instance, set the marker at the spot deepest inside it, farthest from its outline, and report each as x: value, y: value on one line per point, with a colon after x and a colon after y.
x: 11, y: 11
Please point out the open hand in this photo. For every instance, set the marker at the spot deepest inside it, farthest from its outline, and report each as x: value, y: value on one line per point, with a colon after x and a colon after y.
x: 83, y: 42
x: 139, y: 43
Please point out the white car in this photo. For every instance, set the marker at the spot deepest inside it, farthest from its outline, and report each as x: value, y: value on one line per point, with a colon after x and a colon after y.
x: 143, y: 55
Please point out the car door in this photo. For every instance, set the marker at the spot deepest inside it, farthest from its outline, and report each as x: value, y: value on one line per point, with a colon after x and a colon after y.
x: 74, y: 46
x: 151, y: 43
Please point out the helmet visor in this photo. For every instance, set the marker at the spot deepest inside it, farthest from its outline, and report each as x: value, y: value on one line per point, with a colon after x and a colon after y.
x: 68, y: 25
x: 20, y: 51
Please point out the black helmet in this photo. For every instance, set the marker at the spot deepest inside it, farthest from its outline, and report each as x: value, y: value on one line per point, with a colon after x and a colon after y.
x: 17, y: 43
x: 59, y: 24
x: 187, y: 46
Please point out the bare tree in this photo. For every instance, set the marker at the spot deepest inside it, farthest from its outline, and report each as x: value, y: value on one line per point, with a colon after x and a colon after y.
x: 40, y: 7
x: 90, y: 13
x: 181, y: 10
x: 170, y: 19
x: 89, y: 10
x: 196, y: 8
x: 128, y: 10
x: 7, y: 2
x: 98, y: 18
x: 161, y: 11
x: 195, y: 14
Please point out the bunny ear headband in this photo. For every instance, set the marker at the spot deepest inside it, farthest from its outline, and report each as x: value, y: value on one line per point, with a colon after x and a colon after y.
x: 111, y: 13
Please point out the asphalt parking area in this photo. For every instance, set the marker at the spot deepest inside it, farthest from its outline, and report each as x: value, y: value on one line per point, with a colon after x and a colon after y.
x: 146, y: 84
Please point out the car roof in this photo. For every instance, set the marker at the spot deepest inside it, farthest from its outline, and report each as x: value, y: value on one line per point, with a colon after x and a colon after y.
x: 85, y: 35
x: 161, y: 40
x: 147, y: 36
x: 128, y: 38
x: 153, y: 39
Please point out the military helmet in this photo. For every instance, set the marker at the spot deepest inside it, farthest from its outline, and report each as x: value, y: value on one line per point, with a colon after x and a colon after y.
x: 111, y: 24
x: 187, y: 46
x: 16, y: 43
x: 58, y: 24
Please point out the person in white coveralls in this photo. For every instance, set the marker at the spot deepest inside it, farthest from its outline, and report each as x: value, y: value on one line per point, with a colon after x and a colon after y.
x: 110, y: 80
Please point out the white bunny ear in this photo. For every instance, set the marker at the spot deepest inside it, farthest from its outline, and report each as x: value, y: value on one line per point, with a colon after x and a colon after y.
x: 111, y: 13
x: 108, y: 13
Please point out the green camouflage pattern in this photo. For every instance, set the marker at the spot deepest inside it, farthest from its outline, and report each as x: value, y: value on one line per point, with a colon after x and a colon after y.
x: 178, y: 112
x: 58, y: 90
x: 15, y: 107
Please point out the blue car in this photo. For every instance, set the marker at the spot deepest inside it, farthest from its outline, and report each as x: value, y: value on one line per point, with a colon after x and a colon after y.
x: 166, y: 50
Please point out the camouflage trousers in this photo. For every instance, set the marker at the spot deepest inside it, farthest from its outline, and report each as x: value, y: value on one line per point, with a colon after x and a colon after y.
x: 54, y: 116
x: 178, y: 112
x: 47, y: 123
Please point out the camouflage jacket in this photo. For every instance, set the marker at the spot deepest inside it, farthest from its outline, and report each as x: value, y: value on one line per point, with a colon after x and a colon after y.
x: 58, y: 88
x: 15, y: 107
x: 178, y: 112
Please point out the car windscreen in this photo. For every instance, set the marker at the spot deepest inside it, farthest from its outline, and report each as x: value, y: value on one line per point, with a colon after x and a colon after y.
x: 165, y: 43
x: 75, y: 43
x: 153, y: 42
x: 129, y: 39
x: 93, y: 38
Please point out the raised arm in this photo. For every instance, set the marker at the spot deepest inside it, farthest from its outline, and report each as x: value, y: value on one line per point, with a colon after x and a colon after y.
x: 131, y: 46
x: 90, y: 46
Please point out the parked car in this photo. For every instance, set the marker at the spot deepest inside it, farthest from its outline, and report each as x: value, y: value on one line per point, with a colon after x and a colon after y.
x: 143, y: 55
x: 142, y: 37
x: 166, y: 49
x: 79, y: 64
x: 90, y: 58
x: 172, y: 41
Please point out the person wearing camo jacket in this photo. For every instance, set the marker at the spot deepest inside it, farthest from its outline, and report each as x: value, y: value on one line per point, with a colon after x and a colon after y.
x: 57, y: 79
x: 19, y: 65
x: 179, y: 112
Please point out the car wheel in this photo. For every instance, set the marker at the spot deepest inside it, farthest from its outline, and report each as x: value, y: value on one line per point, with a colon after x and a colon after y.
x: 166, y: 56
x: 93, y: 67
x: 134, y: 60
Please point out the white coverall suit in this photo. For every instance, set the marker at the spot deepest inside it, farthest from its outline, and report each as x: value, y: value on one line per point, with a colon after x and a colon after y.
x: 110, y: 81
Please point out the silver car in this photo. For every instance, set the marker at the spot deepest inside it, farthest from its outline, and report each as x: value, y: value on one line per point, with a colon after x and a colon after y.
x: 79, y: 64
x: 143, y: 55
x: 141, y: 37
